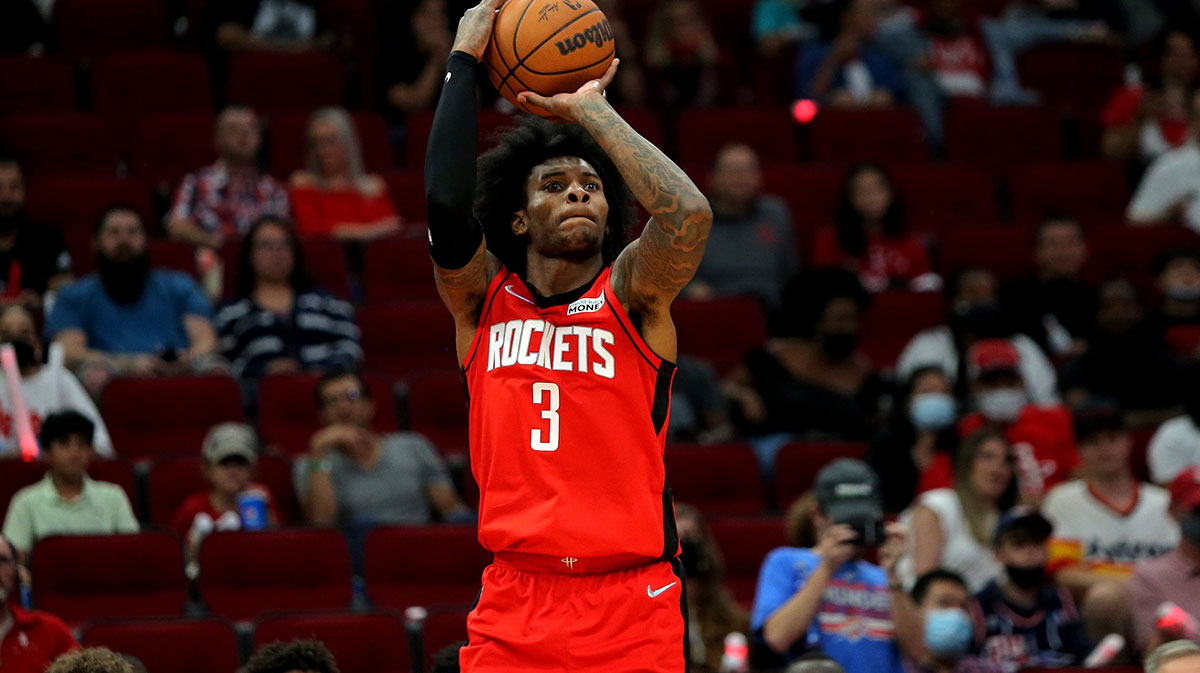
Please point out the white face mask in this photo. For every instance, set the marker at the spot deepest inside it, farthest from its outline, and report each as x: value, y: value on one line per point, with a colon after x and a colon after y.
x: 1002, y: 405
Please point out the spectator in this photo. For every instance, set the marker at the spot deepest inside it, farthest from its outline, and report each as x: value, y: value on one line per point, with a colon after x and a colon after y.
x: 1173, y: 577
x: 1144, y: 121
x: 681, y: 55
x: 46, y: 388
x: 298, y: 656
x: 230, y: 452
x: 218, y: 203
x: 699, y: 412
x: 973, y: 315
x: 270, y: 25
x: 843, y: 68
x: 753, y: 251
x: 279, y: 323
x: 920, y: 429
x: 413, y: 66
x: 356, y: 478
x: 942, y: 599
x: 1170, y: 189
x: 869, y: 237
x: 128, y: 319
x: 1176, y: 444
x: 630, y: 88
x: 66, y: 500
x: 713, y: 612
x: 29, y: 639
x: 829, y: 598
x: 1179, y: 281
x: 1055, y: 306
x: 92, y: 660
x: 33, y: 259
x: 335, y: 195
x: 812, y: 381
x: 1178, y: 656
x: 952, y: 528
x: 777, y: 24
x: 1025, y: 620
x: 1105, y: 522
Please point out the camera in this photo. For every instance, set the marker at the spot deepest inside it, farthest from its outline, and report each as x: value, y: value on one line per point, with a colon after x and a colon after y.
x: 871, y: 532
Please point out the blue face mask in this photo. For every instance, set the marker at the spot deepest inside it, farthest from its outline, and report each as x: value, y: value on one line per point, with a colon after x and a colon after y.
x: 932, y: 411
x: 947, y: 631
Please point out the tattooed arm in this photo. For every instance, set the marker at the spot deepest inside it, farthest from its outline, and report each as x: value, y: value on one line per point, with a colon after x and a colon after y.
x: 653, y: 269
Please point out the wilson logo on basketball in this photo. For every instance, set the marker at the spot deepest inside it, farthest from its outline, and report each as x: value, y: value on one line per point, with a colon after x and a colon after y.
x: 597, y: 34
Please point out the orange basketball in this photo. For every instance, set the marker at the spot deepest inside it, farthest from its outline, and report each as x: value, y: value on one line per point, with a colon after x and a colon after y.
x: 548, y: 47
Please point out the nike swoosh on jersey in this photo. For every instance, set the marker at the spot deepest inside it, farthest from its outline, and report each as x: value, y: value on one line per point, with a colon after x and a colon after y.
x: 653, y: 593
x: 508, y: 289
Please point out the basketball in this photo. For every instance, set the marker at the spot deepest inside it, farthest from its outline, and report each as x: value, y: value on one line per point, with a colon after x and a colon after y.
x: 548, y: 47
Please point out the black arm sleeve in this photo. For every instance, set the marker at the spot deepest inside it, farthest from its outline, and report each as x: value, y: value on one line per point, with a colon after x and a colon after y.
x: 454, y: 233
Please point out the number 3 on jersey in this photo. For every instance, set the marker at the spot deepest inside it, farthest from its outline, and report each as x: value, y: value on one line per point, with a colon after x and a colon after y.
x: 547, y: 394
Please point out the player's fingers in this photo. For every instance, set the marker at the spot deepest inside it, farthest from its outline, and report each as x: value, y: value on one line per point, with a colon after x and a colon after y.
x: 531, y: 98
x: 609, y: 74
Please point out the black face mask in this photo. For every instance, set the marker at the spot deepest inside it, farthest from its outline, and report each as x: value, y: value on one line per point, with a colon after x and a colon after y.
x: 981, y: 320
x: 26, y: 355
x: 10, y: 221
x: 1189, y: 528
x: 691, y: 554
x: 838, y: 346
x: 1026, y: 577
x: 124, y: 280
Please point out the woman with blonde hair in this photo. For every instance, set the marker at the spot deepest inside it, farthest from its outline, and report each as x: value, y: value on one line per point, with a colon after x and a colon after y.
x: 334, y: 195
x: 714, y: 612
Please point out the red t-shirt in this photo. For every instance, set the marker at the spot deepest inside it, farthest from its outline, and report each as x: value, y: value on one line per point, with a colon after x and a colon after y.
x: 34, y: 641
x: 201, y: 503
x: 320, y: 211
x: 887, y: 259
x: 1123, y: 108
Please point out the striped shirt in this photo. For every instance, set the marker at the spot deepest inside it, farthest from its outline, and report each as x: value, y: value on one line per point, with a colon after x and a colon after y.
x: 319, y: 333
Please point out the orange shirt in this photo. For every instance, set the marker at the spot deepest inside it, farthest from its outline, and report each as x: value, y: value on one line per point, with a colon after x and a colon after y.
x: 320, y: 211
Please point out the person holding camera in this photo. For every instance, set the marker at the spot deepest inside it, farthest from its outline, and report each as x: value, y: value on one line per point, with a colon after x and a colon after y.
x: 829, y: 597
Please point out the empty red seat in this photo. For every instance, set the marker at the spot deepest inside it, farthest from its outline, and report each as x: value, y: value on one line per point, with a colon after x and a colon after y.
x: 174, y: 255
x: 326, y: 261
x: 176, y: 645
x: 999, y: 139
x: 1094, y: 193
x: 275, y: 472
x: 437, y: 408
x: 88, y: 29
x: 244, y: 573
x: 720, y: 330
x: 797, y: 465
x: 885, y: 136
x: 811, y: 192
x: 168, y: 146
x: 408, y: 193
x: 360, y: 643
x: 446, y: 625
x: 288, y: 415
x: 704, y: 131
x: 275, y: 83
x: 423, y: 565
x: 744, y: 543
x: 1005, y: 251
x: 117, y: 471
x: 419, y: 124
x: 132, y: 85
x: 717, y: 479
x: 401, y: 338
x: 289, y: 142
x: 35, y: 83
x: 16, y: 475
x: 60, y: 143
x: 1126, y: 250
x: 74, y: 204
x: 171, y: 481
x: 1075, y: 76
x: 941, y: 196
x: 82, y: 576
x: 151, y: 417
x: 1184, y: 340
x: 894, y: 318
x: 398, y: 267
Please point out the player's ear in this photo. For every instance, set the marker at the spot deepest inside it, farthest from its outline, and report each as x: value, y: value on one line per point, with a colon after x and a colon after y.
x: 519, y: 226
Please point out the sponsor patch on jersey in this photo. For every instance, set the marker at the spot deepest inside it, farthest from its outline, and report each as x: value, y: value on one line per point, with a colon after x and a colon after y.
x: 586, y: 305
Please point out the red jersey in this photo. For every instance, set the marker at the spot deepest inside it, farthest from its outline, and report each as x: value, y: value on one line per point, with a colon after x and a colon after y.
x: 201, y: 504
x: 35, y: 639
x: 568, y: 418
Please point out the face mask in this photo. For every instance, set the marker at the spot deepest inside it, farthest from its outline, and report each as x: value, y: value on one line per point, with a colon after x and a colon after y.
x: 947, y: 631
x: 1003, y: 405
x: 1026, y: 577
x: 26, y: 356
x: 1189, y: 528
x: 1186, y: 293
x: 982, y: 320
x: 691, y: 555
x: 932, y: 411
x: 839, y: 345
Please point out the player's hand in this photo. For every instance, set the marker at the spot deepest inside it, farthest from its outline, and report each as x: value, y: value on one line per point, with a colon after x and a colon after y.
x: 836, y: 545
x: 566, y: 105
x: 475, y: 28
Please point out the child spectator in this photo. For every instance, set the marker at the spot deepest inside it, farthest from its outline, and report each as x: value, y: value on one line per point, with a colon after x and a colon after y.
x: 942, y: 601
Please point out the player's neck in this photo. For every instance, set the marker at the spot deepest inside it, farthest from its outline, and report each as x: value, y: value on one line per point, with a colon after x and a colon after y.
x: 553, y: 275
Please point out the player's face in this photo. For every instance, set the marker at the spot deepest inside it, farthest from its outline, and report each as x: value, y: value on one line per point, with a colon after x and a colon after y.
x: 565, y: 212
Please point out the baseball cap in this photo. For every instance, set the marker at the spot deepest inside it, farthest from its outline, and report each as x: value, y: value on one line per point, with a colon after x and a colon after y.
x: 992, y: 355
x: 1025, y: 517
x: 230, y: 439
x: 1185, y: 490
x: 848, y: 490
x: 1097, y: 415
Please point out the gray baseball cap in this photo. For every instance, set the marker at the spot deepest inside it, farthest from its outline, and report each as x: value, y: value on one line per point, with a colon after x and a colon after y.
x: 230, y: 439
x: 848, y: 490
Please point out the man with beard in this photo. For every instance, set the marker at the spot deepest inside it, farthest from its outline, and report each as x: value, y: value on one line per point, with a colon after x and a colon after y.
x: 128, y: 319
x: 33, y: 258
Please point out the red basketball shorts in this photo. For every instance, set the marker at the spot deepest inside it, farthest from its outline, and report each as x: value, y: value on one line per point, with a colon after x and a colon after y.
x: 627, y: 621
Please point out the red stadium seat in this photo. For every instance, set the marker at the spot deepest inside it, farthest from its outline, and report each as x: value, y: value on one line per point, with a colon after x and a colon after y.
x: 398, y: 267
x: 82, y: 576
x: 288, y: 415
x: 74, y: 204
x: 717, y: 479
x: 401, y: 338
x: 1184, y: 340
x: 132, y: 85
x: 1131, y: 251
x: 704, y: 131
x: 35, y: 83
x: 165, y: 416
x: 999, y: 139
x: 645, y: 121
x: 171, y: 481
x: 177, y: 645
x: 1094, y: 193
x: 446, y: 625
x: 168, y: 146
x: 174, y: 255
x: 275, y: 472
x: 325, y: 258
x: 1074, y: 76
x: 744, y: 543
x: 360, y: 642
x: 120, y: 472
x: 885, y: 136
x: 418, y: 125
x: 276, y: 83
x: 437, y: 408
x: 797, y: 464
x: 423, y: 565
x: 1005, y: 251
x: 60, y: 143
x: 721, y: 330
x: 88, y: 29
x: 244, y: 574
x: 811, y: 192
x: 16, y: 475
x: 894, y: 318
x: 408, y: 192
x: 289, y: 142
x: 940, y: 196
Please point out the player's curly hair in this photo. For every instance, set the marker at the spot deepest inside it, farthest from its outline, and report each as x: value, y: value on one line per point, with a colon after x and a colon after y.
x: 298, y: 655
x: 503, y: 170
x: 91, y: 660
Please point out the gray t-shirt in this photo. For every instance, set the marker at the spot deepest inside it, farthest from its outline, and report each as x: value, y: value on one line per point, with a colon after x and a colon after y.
x: 753, y: 254
x: 395, y: 491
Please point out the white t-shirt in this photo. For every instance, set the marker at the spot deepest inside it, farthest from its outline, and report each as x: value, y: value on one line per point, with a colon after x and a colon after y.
x: 1174, y: 448
x: 935, y: 347
x: 1094, y: 534
x: 961, y: 552
x: 50, y: 390
x: 1173, y: 178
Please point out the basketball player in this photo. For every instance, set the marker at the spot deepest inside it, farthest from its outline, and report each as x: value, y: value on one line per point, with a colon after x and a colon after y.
x: 567, y: 347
